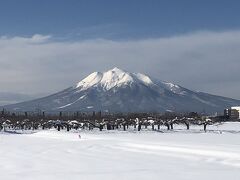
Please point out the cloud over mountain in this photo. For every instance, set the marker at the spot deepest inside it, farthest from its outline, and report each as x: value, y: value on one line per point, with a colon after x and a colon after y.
x: 206, y: 61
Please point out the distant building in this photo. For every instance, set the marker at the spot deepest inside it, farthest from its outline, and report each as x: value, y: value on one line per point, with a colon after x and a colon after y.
x: 233, y: 112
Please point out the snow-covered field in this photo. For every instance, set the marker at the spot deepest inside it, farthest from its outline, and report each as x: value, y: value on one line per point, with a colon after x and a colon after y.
x: 111, y: 155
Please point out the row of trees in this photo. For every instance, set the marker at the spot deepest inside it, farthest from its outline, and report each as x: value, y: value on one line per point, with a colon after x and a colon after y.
x: 76, y: 120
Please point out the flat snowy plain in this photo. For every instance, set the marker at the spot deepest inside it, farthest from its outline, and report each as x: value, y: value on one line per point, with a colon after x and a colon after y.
x: 110, y: 155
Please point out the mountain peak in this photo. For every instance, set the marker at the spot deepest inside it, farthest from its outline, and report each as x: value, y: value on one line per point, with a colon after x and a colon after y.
x: 144, y: 78
x: 115, y: 77
x: 116, y: 69
x: 90, y: 80
x: 107, y: 80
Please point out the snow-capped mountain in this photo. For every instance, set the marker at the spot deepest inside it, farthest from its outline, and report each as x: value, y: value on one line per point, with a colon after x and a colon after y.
x: 119, y: 91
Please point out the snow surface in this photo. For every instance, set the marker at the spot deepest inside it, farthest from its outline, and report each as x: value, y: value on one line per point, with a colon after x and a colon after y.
x: 90, y: 80
x: 144, y: 78
x: 108, y: 155
x: 82, y: 97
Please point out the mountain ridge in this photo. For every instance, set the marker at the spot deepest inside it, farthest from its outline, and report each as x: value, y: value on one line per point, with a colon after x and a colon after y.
x: 117, y: 90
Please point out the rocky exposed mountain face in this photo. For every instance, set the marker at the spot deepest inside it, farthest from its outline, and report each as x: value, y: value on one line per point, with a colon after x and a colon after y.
x: 120, y: 91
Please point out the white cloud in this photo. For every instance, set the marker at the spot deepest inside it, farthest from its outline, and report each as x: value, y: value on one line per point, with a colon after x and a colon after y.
x: 207, y: 61
x: 38, y: 38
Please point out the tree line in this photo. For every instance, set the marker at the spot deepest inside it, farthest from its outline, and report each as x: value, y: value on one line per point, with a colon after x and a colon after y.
x: 101, y: 121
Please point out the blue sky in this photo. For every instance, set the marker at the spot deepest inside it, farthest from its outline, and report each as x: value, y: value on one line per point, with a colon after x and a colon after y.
x: 116, y: 19
x: 48, y: 45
